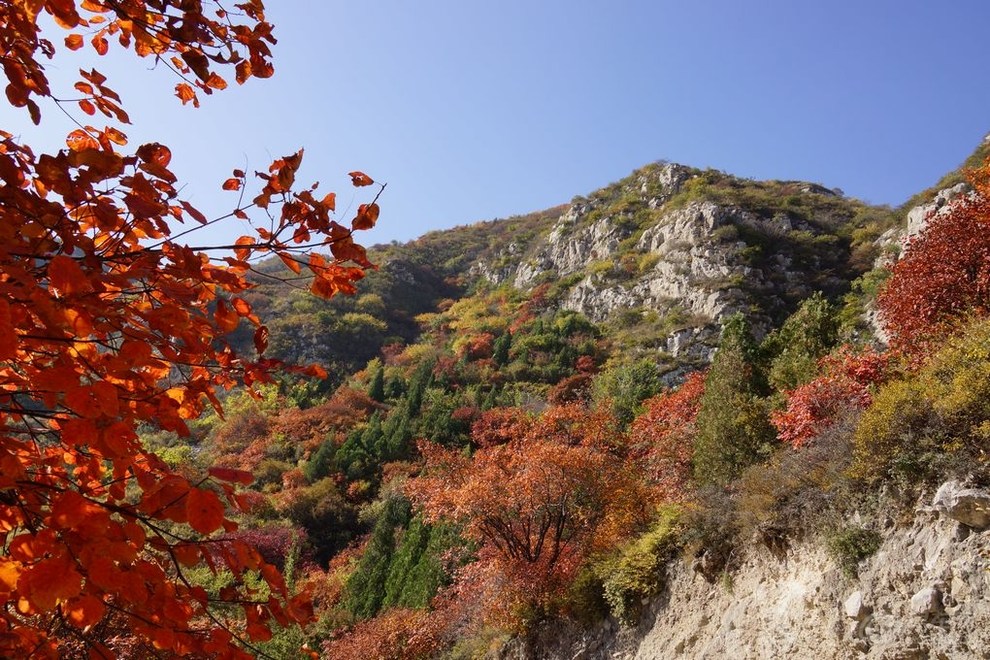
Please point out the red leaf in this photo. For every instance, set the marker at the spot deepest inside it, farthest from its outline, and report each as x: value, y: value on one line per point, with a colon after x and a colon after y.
x: 232, y: 184
x: 84, y: 611
x: 360, y: 179
x: 366, y: 217
x: 231, y: 475
x: 242, y: 253
x: 204, y: 510
x: 261, y: 339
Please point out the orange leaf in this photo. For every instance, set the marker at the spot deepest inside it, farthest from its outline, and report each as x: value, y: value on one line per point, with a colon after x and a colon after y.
x: 231, y: 475
x: 360, y: 179
x: 50, y: 580
x: 66, y: 277
x: 100, y: 44
x: 243, y: 253
x: 204, y: 510
x: 80, y: 140
x: 290, y: 262
x: 74, y: 42
x: 241, y: 306
x: 226, y: 318
x: 84, y: 611
x: 115, y: 136
x: 216, y: 82
x: 186, y: 94
x: 367, y: 216
x: 232, y: 184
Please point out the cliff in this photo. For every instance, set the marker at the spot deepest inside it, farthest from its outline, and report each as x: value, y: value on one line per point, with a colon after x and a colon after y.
x: 925, y: 593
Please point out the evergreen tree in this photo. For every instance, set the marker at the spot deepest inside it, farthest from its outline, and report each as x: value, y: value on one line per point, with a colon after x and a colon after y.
x: 500, y: 350
x: 376, y: 390
x: 365, y: 591
x: 734, y: 430
x: 320, y: 465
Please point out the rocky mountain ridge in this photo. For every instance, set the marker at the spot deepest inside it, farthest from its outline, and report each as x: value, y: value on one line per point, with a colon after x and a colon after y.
x: 700, y: 245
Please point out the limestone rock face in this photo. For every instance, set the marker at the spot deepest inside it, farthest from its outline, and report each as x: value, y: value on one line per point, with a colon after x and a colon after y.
x: 924, y: 594
x: 918, y: 216
x: 702, y: 260
x: 970, y: 506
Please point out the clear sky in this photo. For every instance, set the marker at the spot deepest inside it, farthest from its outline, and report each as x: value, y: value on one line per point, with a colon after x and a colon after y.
x: 474, y: 110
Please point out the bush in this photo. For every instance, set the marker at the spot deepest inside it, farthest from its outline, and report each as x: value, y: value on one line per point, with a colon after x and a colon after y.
x: 945, y: 273
x: 796, y: 490
x: 851, y: 545
x: 934, y: 421
x: 626, y: 386
x: 634, y: 572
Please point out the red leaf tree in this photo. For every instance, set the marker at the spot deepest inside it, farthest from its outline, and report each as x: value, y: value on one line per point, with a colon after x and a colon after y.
x: 844, y: 386
x: 538, y: 502
x: 661, y: 439
x: 109, y: 322
x: 944, y: 274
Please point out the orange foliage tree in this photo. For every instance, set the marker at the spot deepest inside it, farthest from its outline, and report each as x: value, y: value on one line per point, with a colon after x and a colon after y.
x: 944, y: 274
x: 109, y: 322
x: 661, y: 439
x: 538, y: 504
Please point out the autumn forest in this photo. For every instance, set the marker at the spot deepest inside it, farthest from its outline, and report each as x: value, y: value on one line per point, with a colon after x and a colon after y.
x: 294, y: 445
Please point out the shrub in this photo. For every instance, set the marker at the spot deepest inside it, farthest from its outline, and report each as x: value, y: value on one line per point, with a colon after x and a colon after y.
x: 626, y: 386
x: 945, y: 273
x: 633, y: 572
x: 851, y: 545
x: 843, y: 385
x: 796, y: 346
x: 661, y: 440
x: 929, y: 421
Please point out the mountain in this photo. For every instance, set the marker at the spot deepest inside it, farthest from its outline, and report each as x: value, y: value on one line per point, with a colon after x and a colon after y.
x: 610, y: 428
x: 661, y: 257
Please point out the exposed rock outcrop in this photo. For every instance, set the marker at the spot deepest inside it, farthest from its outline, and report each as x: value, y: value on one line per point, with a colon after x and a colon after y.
x: 657, y: 241
x: 918, y: 216
x: 924, y: 594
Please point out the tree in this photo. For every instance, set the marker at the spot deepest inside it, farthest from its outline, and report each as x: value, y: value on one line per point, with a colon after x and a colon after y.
x: 843, y: 385
x: 376, y: 389
x: 795, y: 348
x: 109, y: 321
x: 733, y: 429
x: 537, y: 504
x: 944, y: 275
x: 661, y: 440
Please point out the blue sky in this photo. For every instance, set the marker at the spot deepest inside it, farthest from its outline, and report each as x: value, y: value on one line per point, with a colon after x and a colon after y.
x: 472, y: 110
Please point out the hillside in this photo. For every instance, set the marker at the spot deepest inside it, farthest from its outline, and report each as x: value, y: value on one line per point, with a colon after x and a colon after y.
x: 528, y: 423
x: 661, y: 257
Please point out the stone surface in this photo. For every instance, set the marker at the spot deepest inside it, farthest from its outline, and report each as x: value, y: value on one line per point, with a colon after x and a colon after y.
x: 854, y: 607
x: 688, y: 260
x: 918, y: 216
x: 970, y: 506
x: 928, y: 591
x: 926, y: 602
